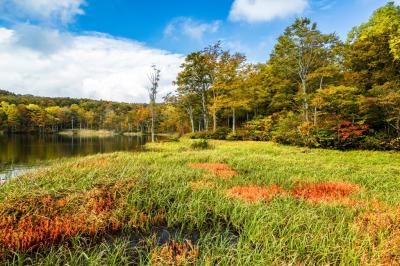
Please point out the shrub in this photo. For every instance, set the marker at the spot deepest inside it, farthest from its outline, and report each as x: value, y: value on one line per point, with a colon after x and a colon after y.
x: 374, y: 142
x: 394, y: 144
x: 259, y: 129
x: 350, y: 135
x: 221, y: 133
x: 238, y: 135
x: 200, y: 145
x: 287, y: 131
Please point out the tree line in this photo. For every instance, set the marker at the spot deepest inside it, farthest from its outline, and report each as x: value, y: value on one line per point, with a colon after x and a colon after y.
x: 26, y: 113
x: 314, y: 90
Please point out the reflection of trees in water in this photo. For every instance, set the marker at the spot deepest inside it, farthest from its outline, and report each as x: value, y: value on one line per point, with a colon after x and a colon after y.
x: 25, y: 149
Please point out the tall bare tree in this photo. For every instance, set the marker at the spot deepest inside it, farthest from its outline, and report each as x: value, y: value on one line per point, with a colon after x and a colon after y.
x: 154, y: 78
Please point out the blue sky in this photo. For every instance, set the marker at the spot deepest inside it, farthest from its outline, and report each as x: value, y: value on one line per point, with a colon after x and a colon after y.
x: 102, y: 49
x: 146, y: 21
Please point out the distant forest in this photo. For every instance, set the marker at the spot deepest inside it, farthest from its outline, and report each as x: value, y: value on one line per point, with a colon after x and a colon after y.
x: 315, y: 90
x: 27, y: 113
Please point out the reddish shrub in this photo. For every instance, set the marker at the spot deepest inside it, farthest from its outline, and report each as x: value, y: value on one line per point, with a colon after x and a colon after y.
x: 255, y: 193
x: 348, y: 130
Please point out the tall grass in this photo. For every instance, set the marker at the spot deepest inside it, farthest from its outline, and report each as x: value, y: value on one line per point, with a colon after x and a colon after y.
x: 157, y: 208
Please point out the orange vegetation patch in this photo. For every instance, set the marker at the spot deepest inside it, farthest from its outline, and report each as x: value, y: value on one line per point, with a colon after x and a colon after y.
x: 210, y: 166
x: 326, y: 192
x: 218, y: 169
x: 255, y: 193
x: 381, y: 226
x: 175, y: 253
x: 34, y: 222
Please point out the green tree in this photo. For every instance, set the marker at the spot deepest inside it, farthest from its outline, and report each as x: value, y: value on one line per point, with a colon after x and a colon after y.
x: 227, y: 85
x: 372, y: 49
x: 37, y: 116
x: 338, y: 101
x: 300, y: 51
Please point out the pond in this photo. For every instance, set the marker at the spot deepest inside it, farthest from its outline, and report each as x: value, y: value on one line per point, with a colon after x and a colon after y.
x: 22, y: 153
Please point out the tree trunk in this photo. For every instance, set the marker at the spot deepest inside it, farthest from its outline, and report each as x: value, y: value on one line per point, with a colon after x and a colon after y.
x: 205, y: 119
x: 233, y: 120
x: 200, y: 124
x: 192, y: 123
x: 321, y: 83
x: 304, y: 85
x: 190, y: 112
x: 214, y: 120
x: 315, y: 116
x: 152, y: 125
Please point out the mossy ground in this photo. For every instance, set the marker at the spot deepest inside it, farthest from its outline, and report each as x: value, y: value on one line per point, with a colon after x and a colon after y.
x: 152, y: 207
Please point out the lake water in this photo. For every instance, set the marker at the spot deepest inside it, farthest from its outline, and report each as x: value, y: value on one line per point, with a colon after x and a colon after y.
x: 22, y: 153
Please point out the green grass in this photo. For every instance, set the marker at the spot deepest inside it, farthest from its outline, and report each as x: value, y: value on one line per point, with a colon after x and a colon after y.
x: 226, y: 231
x: 87, y: 133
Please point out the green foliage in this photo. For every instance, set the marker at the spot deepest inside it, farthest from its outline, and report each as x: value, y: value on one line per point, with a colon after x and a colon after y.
x: 372, y: 49
x: 314, y: 90
x: 221, y: 133
x: 258, y: 129
x: 26, y: 113
x: 201, y: 144
x: 287, y: 129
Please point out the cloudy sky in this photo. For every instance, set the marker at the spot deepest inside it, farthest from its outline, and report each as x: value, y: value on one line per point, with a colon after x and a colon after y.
x: 104, y: 49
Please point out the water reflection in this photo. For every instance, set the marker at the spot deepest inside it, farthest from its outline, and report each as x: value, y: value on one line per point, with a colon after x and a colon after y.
x: 19, y: 153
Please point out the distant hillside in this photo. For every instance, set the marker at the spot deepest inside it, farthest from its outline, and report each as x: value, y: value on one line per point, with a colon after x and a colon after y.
x: 28, y: 113
x: 49, y: 101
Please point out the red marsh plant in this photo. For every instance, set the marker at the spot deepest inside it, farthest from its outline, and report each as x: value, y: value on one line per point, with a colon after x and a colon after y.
x: 325, y: 192
x: 35, y: 222
x: 175, y: 253
x: 221, y: 170
x: 381, y: 226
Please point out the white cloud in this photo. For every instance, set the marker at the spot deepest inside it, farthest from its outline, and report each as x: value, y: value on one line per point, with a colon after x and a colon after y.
x: 89, y: 65
x: 191, y: 28
x: 265, y: 10
x: 54, y: 11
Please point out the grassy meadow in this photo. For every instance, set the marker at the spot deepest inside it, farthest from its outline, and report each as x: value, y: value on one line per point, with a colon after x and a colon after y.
x: 234, y: 203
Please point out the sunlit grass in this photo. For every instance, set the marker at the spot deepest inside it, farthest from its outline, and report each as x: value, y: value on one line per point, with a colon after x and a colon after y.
x: 140, y: 202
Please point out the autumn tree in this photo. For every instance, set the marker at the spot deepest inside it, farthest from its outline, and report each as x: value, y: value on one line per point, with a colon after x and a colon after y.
x: 372, y: 50
x: 197, y: 76
x: 300, y: 51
